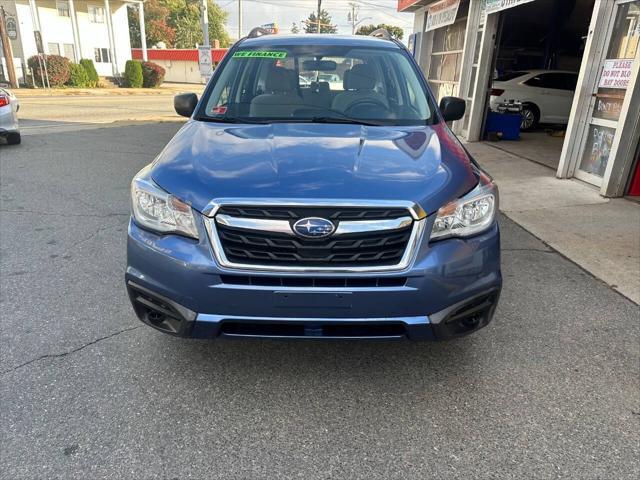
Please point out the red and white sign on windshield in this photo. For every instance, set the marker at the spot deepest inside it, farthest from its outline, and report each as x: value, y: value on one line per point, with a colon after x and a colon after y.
x: 616, y: 74
x: 441, y: 14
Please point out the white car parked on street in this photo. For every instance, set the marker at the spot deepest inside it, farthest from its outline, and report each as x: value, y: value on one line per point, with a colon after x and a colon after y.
x: 546, y: 95
x: 9, y: 117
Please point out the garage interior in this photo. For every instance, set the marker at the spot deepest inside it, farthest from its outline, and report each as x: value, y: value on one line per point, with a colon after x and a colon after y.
x: 541, y: 35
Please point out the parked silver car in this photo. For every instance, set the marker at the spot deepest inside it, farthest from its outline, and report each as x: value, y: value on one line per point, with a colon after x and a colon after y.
x: 9, y: 107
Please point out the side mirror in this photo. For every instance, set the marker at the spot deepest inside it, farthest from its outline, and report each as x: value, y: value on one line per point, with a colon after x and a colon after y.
x: 185, y: 103
x: 452, y: 108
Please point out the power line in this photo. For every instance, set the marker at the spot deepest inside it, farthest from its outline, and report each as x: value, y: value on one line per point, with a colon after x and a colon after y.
x: 377, y: 5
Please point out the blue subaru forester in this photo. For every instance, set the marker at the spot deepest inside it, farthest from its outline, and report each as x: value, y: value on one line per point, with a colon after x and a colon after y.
x: 294, y: 205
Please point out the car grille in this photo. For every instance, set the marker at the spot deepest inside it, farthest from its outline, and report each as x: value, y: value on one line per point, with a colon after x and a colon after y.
x: 296, y: 213
x: 381, y: 248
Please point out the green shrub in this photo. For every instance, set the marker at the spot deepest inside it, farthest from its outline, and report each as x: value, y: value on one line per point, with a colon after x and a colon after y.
x: 78, y: 76
x: 92, y: 74
x: 152, y: 74
x: 57, y: 68
x: 133, y: 74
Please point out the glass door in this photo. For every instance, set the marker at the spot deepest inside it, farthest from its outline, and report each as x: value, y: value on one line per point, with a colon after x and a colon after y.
x: 610, y: 92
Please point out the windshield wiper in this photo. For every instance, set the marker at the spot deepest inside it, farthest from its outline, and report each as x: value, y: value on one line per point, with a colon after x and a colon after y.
x: 264, y: 121
x: 347, y: 120
x: 228, y: 120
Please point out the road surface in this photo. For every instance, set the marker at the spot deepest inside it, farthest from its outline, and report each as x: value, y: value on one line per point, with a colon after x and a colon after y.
x: 548, y: 390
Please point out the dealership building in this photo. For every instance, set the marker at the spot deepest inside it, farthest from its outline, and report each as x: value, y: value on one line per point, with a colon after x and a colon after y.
x: 463, y: 46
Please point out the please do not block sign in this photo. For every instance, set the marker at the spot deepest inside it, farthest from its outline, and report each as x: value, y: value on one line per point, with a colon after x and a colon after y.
x: 616, y: 74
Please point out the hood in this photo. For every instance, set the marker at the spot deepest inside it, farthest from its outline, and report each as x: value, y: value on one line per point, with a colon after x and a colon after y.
x: 205, y: 161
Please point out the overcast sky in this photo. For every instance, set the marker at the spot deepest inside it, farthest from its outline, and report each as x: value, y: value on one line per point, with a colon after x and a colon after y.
x: 286, y: 12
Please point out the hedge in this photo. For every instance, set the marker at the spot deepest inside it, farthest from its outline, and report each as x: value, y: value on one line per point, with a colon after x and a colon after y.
x: 152, y: 74
x: 57, y: 69
x: 92, y: 74
x: 78, y: 76
x: 133, y: 74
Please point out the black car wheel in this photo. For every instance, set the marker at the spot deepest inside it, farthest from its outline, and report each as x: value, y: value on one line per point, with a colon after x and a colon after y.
x: 14, y: 138
x: 530, y: 117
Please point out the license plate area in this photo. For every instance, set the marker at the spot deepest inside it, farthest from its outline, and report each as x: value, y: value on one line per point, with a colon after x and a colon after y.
x: 313, y: 300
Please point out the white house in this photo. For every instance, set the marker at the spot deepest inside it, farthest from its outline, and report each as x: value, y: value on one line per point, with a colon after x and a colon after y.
x: 95, y: 29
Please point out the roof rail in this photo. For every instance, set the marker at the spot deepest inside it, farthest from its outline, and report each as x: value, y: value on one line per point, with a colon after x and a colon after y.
x: 381, y: 33
x: 258, y: 32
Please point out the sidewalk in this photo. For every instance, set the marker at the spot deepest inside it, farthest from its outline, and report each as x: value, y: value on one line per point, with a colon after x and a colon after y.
x: 164, y: 89
x: 599, y: 234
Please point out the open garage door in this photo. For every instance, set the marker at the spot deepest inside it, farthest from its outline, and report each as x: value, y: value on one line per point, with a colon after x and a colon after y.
x: 532, y: 55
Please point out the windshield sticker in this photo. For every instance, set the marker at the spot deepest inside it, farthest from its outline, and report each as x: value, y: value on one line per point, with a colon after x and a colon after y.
x: 258, y: 54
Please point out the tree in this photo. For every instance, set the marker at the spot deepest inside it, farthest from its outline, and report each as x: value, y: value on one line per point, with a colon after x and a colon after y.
x: 133, y: 74
x: 156, y: 25
x: 311, y: 23
x: 294, y: 28
x: 217, y: 21
x: 177, y: 23
x: 186, y: 20
x: 134, y: 25
x: 395, y: 32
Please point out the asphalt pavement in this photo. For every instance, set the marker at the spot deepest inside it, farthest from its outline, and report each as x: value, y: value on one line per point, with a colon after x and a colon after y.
x: 58, y: 110
x: 548, y: 390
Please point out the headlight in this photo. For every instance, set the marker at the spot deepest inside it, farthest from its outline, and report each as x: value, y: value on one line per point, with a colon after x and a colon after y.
x: 157, y: 210
x: 470, y: 214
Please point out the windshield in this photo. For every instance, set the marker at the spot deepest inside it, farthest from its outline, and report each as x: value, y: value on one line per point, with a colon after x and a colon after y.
x: 318, y: 83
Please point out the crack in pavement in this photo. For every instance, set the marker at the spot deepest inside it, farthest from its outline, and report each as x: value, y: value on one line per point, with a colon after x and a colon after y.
x: 64, y: 354
x: 81, y: 241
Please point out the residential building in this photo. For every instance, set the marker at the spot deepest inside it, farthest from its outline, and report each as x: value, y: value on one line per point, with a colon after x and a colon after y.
x: 95, y: 29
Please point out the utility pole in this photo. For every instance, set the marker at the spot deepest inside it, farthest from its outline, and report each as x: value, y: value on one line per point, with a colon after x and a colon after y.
x: 143, y: 33
x: 204, y: 21
x: 6, y: 50
x: 319, y: 10
x: 353, y: 17
x: 239, y: 19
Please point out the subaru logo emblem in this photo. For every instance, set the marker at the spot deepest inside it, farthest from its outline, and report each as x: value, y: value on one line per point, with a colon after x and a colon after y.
x: 313, y: 227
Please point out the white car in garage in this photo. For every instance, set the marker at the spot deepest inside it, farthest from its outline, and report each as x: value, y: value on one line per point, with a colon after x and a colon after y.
x: 546, y: 95
x: 9, y: 117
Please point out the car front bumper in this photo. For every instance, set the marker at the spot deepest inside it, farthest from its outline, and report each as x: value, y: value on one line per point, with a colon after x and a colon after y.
x: 175, y: 286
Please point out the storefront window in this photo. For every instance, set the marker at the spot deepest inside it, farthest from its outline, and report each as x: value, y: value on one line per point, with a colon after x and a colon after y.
x: 612, y: 88
x: 596, y: 155
x: 617, y: 68
x: 626, y: 32
x: 446, y: 59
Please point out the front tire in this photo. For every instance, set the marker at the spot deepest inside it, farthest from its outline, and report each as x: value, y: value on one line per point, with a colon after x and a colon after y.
x: 530, y: 117
x: 14, y: 138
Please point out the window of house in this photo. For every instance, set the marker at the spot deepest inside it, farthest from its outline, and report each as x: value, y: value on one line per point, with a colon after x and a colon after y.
x: 102, y: 55
x: 69, y: 51
x: 54, y: 48
x: 96, y: 14
x: 63, y: 8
